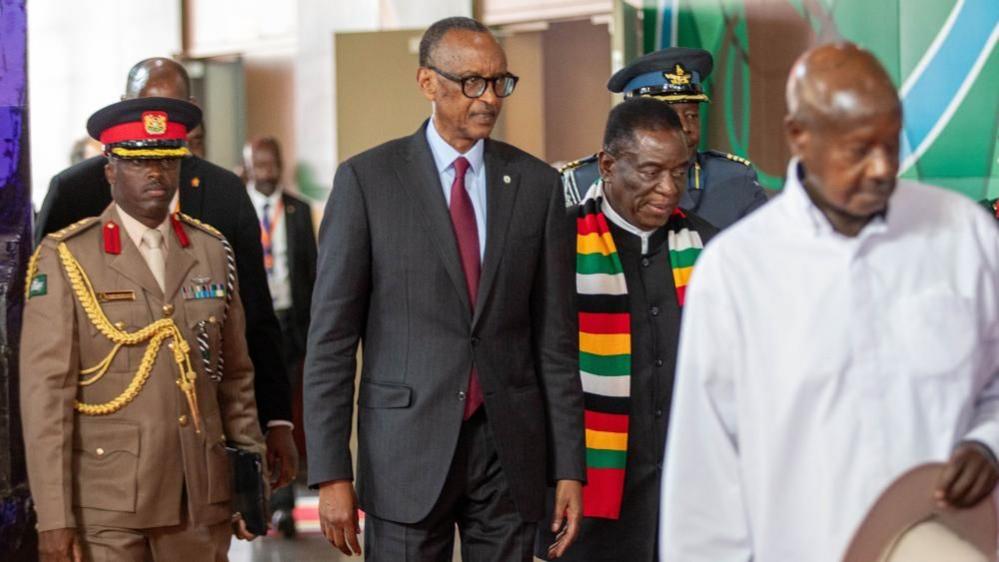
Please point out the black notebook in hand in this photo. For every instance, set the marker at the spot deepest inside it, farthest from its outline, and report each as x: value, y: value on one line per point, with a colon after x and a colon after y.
x: 249, y: 498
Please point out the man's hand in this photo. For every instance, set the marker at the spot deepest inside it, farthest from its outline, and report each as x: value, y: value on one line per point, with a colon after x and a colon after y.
x: 239, y: 528
x: 59, y: 545
x: 970, y: 475
x: 568, y: 514
x: 282, y: 456
x: 338, y: 515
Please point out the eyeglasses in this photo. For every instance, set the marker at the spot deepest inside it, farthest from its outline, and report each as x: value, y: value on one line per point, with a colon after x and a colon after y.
x: 475, y: 86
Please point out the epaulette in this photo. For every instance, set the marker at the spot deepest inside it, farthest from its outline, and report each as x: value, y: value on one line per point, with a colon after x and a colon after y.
x: 577, y: 163
x: 730, y: 156
x: 73, y: 229
x: 201, y: 226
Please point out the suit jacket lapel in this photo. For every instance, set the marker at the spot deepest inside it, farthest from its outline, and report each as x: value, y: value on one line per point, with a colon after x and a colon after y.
x: 501, y: 192
x: 192, y: 187
x: 416, y: 172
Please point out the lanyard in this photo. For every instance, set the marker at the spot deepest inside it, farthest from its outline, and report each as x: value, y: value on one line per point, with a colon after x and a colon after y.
x: 267, y: 232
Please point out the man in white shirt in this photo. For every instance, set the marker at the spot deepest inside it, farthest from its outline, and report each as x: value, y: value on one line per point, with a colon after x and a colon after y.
x: 839, y: 336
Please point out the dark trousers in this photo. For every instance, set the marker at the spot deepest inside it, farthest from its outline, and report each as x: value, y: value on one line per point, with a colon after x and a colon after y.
x: 476, y: 498
x: 284, y: 499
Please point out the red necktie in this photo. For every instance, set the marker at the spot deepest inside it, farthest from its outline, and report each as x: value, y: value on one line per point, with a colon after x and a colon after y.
x: 466, y: 232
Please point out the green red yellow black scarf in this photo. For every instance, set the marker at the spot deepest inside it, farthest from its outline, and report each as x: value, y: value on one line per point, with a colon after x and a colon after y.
x: 605, y: 344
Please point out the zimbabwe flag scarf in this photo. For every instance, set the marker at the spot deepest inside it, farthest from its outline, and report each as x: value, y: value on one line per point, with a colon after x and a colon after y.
x: 605, y: 344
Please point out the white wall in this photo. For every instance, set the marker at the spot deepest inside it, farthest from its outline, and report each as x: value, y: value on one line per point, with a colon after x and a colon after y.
x: 318, y: 20
x: 78, y: 56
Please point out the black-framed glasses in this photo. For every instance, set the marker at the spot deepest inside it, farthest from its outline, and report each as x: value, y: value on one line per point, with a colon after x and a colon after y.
x: 475, y: 86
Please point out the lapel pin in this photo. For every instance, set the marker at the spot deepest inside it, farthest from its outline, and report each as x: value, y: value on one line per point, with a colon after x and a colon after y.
x: 506, y: 179
x: 195, y: 182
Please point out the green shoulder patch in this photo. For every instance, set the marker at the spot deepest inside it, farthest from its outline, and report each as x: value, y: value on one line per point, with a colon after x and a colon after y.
x: 39, y: 286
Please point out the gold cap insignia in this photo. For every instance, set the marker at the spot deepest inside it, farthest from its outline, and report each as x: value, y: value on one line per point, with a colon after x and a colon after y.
x: 155, y: 122
x: 679, y: 76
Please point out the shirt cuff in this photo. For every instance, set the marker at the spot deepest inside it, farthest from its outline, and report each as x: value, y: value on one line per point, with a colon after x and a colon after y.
x: 280, y: 423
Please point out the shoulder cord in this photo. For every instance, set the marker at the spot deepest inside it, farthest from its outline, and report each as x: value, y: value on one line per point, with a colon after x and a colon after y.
x: 215, y: 374
x: 230, y: 286
x: 154, y: 333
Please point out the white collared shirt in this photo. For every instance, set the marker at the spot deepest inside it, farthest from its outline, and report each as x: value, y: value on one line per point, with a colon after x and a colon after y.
x: 135, y: 229
x: 814, y: 369
x: 613, y: 216
x: 279, y: 276
x: 475, y: 178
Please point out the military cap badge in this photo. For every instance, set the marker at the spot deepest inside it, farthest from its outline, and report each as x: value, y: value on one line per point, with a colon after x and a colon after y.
x: 679, y: 76
x: 155, y: 122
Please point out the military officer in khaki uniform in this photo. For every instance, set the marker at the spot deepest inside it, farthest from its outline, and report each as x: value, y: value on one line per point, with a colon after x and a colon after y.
x: 134, y: 364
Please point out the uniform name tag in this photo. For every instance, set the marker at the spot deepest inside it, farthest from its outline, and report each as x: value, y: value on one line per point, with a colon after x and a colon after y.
x: 113, y: 296
x: 203, y: 291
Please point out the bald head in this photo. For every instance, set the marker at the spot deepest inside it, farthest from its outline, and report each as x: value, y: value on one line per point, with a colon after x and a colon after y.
x: 843, y: 125
x: 837, y: 84
x: 159, y: 77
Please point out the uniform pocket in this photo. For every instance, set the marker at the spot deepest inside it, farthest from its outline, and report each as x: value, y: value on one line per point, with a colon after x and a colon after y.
x: 106, y: 464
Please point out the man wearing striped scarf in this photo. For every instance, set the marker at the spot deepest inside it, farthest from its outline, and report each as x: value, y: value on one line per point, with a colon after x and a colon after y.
x: 635, y: 250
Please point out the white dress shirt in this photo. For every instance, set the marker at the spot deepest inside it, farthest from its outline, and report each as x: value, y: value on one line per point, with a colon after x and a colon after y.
x: 279, y: 276
x: 475, y: 177
x: 815, y: 368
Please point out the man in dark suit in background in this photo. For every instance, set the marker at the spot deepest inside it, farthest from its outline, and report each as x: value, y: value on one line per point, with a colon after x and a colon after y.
x: 446, y: 253
x: 217, y: 197
x: 289, y: 243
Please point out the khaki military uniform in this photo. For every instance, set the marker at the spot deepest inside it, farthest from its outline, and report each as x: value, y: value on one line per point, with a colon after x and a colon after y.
x: 154, y: 463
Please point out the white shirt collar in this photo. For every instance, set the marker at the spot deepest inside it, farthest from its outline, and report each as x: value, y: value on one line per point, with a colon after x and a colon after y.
x: 259, y: 199
x: 445, y: 154
x: 620, y: 221
x: 802, y: 207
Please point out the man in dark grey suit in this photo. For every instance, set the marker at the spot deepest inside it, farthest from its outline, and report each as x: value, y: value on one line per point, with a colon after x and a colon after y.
x: 446, y: 253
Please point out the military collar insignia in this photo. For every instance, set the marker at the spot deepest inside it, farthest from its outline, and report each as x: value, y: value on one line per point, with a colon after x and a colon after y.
x: 112, y: 238
x: 679, y: 77
x: 178, y: 229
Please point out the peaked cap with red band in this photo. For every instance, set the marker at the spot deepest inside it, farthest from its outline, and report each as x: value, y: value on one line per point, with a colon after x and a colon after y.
x: 153, y: 128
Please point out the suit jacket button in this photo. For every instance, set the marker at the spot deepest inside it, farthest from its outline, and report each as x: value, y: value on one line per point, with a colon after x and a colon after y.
x: 100, y: 452
x: 461, y: 395
x: 167, y: 310
x: 182, y: 420
x: 475, y: 340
